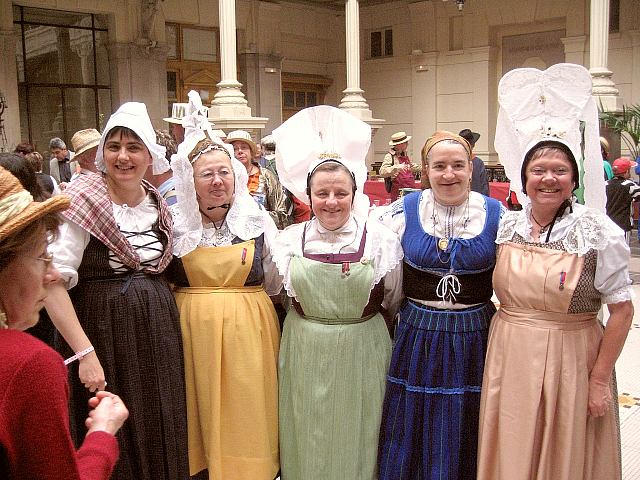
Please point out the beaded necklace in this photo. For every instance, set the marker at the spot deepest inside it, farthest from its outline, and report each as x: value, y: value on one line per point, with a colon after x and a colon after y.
x: 450, y: 228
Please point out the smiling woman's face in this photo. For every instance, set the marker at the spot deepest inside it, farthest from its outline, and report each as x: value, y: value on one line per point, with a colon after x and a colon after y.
x: 549, y: 179
x: 449, y: 171
x: 331, y: 197
x: 126, y: 158
x: 213, y: 179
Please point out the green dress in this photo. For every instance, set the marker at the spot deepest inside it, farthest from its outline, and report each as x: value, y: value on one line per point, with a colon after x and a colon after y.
x: 332, y: 371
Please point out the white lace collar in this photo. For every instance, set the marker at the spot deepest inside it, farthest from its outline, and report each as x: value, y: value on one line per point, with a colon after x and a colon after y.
x: 579, y: 231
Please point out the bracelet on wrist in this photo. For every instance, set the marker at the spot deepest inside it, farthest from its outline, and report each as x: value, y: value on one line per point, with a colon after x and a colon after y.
x: 79, y: 355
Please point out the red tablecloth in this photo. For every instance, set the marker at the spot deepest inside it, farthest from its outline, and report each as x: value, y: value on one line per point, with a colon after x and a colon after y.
x: 374, y: 189
x: 499, y: 191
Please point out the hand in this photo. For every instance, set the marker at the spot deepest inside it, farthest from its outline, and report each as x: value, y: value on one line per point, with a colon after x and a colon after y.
x: 91, y: 373
x: 63, y: 186
x: 599, y: 397
x: 108, y: 413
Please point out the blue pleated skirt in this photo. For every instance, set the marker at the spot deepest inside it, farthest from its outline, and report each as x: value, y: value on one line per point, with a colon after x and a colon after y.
x: 430, y: 414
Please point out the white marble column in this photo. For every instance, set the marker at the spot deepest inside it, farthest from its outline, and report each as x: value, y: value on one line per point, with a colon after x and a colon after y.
x: 229, y: 97
x: 353, y: 100
x: 603, y: 86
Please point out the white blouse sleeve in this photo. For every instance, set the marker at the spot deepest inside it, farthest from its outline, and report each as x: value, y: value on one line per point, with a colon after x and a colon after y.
x: 391, y: 216
x: 393, y: 294
x: 272, y: 279
x: 612, y: 268
x: 67, y: 251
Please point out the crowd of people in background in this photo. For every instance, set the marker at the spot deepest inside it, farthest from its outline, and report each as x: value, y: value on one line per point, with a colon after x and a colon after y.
x: 233, y: 309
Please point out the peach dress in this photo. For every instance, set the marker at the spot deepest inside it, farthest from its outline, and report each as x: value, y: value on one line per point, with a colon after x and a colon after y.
x: 543, y: 343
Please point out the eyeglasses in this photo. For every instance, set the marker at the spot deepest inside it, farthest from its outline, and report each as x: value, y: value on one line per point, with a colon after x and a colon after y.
x: 207, y: 176
x: 556, y: 172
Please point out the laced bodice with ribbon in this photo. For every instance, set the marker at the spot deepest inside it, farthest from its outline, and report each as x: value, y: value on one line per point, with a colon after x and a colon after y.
x: 461, y: 273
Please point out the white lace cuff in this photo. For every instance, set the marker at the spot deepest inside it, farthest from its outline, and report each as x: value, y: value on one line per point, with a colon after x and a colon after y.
x: 623, y: 294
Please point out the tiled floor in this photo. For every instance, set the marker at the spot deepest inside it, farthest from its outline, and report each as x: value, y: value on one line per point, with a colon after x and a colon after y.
x: 628, y: 374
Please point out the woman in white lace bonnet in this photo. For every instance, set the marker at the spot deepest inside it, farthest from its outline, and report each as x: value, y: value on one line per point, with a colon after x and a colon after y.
x: 230, y: 331
x: 341, y: 272
x: 548, y: 407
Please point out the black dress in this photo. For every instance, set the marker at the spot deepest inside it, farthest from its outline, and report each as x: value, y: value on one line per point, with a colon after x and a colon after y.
x: 133, y: 323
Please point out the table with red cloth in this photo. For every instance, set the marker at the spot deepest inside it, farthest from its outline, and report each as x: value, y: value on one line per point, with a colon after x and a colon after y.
x: 375, y: 190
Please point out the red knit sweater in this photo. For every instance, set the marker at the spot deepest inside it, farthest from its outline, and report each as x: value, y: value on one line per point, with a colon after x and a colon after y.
x: 34, y: 418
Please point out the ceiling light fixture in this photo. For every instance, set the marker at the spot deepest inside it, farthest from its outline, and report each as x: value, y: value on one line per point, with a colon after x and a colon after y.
x: 459, y: 4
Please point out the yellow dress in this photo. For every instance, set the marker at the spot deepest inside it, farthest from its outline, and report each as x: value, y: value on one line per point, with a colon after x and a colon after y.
x: 231, y: 338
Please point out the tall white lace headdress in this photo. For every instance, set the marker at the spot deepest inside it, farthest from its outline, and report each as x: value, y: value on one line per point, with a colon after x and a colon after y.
x: 245, y: 219
x: 555, y: 104
x: 317, y: 134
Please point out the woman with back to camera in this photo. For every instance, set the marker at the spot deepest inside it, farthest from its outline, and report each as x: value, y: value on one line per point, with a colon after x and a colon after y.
x: 112, y: 252
x: 430, y: 416
x: 342, y: 273
x: 35, y: 442
x: 548, y: 399
x: 223, y: 277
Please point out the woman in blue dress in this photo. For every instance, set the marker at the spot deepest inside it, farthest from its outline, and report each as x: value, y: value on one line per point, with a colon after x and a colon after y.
x: 430, y: 413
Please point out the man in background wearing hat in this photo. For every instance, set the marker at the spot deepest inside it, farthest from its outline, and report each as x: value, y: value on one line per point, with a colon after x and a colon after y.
x: 263, y: 185
x: 60, y: 166
x: 621, y: 191
x: 397, y: 166
x: 178, y: 110
x: 85, y: 144
x: 479, y: 181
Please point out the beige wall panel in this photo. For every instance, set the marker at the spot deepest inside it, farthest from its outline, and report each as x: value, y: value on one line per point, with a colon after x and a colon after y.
x: 302, y: 48
x: 454, y: 107
x: 338, y: 72
x: 386, y: 84
x: 478, y: 27
x: 454, y: 78
x: 194, y: 12
x: 546, y: 9
x: 577, y: 19
x: 300, y: 66
x: 629, y: 14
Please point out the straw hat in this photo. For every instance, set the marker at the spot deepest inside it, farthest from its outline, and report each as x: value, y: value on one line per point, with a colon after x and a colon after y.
x: 398, y: 138
x: 242, y: 136
x: 178, y: 110
x: 17, y: 208
x: 84, y: 140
